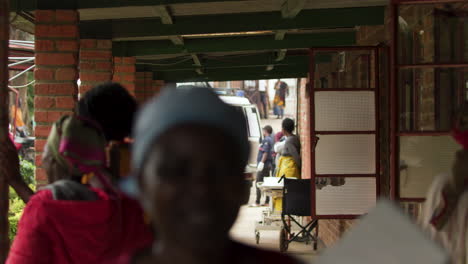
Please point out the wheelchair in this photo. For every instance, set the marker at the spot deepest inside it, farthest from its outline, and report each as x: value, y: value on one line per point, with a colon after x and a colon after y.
x: 296, y: 205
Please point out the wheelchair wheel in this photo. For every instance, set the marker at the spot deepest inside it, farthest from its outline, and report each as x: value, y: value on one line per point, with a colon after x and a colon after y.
x: 283, y: 240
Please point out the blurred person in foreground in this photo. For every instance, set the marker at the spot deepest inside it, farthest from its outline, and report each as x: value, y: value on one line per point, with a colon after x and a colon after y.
x: 446, y: 209
x: 79, y: 217
x: 111, y: 107
x: 189, y: 156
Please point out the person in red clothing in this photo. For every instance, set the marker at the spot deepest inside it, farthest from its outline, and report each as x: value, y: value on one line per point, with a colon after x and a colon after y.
x: 12, y: 138
x: 188, y: 158
x: 112, y: 107
x: 79, y: 217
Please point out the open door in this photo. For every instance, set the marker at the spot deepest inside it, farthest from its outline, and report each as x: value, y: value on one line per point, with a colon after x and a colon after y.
x: 344, y: 131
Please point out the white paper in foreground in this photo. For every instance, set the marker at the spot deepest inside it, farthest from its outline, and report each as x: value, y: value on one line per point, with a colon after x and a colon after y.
x: 385, y: 236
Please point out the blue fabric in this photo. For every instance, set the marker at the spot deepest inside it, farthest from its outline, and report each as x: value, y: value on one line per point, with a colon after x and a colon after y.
x: 266, y: 147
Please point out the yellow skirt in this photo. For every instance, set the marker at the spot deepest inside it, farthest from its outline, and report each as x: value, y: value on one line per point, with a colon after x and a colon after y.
x: 286, y: 167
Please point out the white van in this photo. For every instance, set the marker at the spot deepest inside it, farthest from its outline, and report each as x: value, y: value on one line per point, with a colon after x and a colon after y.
x: 252, y: 118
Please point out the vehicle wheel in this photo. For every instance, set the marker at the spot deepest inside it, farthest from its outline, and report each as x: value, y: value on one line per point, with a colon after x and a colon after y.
x: 283, y: 240
x: 257, y: 237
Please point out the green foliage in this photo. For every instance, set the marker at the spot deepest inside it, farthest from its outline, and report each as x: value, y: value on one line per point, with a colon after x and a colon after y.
x: 14, y: 213
x: 16, y: 204
x: 27, y: 171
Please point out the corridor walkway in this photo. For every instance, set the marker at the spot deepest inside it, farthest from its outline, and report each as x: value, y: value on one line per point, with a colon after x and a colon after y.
x: 243, y: 231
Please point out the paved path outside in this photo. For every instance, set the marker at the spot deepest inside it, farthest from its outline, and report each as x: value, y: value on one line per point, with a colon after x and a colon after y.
x: 273, y: 122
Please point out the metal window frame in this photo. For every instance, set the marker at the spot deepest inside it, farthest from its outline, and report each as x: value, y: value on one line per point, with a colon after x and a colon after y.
x: 375, y: 52
x: 395, y: 67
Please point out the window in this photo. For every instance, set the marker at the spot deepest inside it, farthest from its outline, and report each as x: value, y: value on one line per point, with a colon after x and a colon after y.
x: 429, y: 96
x: 253, y: 123
x: 432, y: 84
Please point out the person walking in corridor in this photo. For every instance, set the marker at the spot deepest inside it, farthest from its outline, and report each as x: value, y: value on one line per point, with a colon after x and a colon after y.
x: 264, y: 101
x: 264, y: 161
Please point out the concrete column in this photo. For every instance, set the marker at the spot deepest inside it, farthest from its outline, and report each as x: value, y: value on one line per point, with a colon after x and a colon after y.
x: 124, y: 72
x: 95, y: 63
x: 56, y: 74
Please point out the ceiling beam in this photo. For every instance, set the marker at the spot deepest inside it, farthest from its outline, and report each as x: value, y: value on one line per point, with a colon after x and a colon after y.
x: 281, y: 55
x: 177, y: 40
x: 29, y: 5
x: 234, y: 74
x: 291, y: 8
x: 228, y: 23
x: 163, y: 13
x: 226, y: 62
x: 205, y: 45
x: 280, y: 34
x: 197, y: 63
x: 196, y: 60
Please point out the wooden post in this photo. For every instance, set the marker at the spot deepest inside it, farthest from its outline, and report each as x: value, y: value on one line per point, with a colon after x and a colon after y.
x: 8, y: 156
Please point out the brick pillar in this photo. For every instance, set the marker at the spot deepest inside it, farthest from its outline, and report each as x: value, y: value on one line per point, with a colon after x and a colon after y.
x: 56, y: 74
x: 148, y: 85
x: 157, y: 87
x: 95, y: 63
x: 124, y: 72
x: 304, y: 128
x: 140, y: 87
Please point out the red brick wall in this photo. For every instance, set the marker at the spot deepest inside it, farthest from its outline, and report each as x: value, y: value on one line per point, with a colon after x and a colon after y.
x: 56, y: 73
x: 146, y: 87
x: 124, y: 72
x: 140, y: 87
x: 156, y: 87
x: 304, y: 128
x: 95, y: 63
x: 331, y: 231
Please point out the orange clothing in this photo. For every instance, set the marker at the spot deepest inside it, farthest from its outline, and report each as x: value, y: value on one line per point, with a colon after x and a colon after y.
x: 18, y: 119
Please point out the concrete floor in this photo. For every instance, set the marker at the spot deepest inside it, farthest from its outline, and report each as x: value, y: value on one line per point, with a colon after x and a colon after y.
x: 244, y: 231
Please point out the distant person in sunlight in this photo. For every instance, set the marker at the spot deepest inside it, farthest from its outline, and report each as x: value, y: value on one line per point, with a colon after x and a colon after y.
x: 446, y: 208
x: 16, y: 115
x: 279, y: 102
x: 189, y: 156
